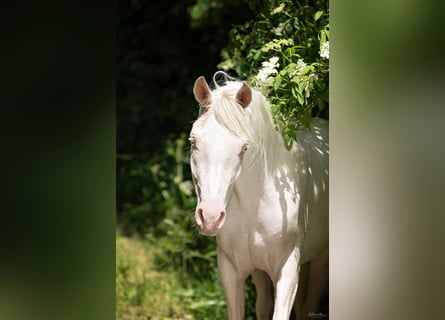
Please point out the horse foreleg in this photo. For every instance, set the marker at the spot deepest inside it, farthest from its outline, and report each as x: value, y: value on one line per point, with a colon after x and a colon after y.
x: 264, y: 300
x: 233, y: 285
x: 286, y: 281
x: 303, y: 283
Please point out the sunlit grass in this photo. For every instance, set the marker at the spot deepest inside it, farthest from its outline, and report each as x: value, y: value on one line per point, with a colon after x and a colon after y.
x: 146, y: 291
x: 142, y: 292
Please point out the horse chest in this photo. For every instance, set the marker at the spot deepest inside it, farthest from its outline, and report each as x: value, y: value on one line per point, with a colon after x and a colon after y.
x: 261, y: 226
x: 264, y: 252
x: 255, y: 245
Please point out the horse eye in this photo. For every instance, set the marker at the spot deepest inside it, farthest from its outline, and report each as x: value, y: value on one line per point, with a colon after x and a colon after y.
x: 192, y: 143
x: 245, y: 147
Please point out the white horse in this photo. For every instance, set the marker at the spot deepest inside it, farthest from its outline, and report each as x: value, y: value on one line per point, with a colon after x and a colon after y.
x: 267, y: 206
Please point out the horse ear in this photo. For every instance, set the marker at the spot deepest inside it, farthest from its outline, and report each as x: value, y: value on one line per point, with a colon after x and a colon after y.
x: 201, y: 91
x: 244, y: 95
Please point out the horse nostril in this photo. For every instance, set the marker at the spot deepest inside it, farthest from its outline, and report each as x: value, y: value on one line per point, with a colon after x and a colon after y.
x: 221, y: 218
x: 200, y: 217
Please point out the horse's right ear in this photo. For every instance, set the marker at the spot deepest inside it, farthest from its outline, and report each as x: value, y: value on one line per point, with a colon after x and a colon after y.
x: 201, y: 91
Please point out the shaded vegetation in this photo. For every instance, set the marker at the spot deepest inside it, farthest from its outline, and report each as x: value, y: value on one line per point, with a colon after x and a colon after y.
x: 146, y: 290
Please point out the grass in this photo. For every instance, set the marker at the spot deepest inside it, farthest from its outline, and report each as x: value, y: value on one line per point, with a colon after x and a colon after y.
x: 146, y: 291
x: 142, y: 292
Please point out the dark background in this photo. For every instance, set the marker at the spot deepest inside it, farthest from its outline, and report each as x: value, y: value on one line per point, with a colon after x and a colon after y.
x: 160, y: 53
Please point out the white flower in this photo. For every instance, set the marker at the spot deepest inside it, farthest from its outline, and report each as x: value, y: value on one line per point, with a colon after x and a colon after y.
x: 300, y: 66
x: 298, y: 71
x: 269, y: 68
x: 278, y: 31
x: 324, y: 50
x: 262, y: 75
x: 278, y: 9
x: 265, y: 76
x: 271, y: 65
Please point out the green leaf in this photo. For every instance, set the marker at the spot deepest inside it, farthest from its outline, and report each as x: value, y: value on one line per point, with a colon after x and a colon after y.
x: 257, y: 55
x: 307, y: 69
x: 296, y: 79
x: 290, y: 51
x: 299, y: 96
x: 294, y: 92
x: 277, y: 82
x: 300, y: 99
x: 318, y: 15
x: 324, y: 36
x: 284, y: 71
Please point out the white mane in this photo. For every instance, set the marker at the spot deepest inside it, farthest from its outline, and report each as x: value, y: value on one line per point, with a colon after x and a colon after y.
x: 253, y: 124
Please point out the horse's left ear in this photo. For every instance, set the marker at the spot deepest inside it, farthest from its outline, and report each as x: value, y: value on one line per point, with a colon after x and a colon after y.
x: 244, y: 95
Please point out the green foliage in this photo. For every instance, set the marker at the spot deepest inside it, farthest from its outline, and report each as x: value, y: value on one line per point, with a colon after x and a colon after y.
x: 183, y: 247
x: 144, y: 290
x: 161, y: 187
x: 285, y: 53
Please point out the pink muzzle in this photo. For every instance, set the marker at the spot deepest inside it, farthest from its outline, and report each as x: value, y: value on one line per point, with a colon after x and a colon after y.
x: 210, y: 218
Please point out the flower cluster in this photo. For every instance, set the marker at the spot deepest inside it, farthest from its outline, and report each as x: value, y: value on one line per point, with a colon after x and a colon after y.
x: 264, y: 78
x: 324, y: 50
x: 299, y: 68
x: 278, y: 31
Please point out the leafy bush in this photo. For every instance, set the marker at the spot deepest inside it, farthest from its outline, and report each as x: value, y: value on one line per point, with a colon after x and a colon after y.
x: 285, y: 53
x: 164, y: 209
x: 157, y: 185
